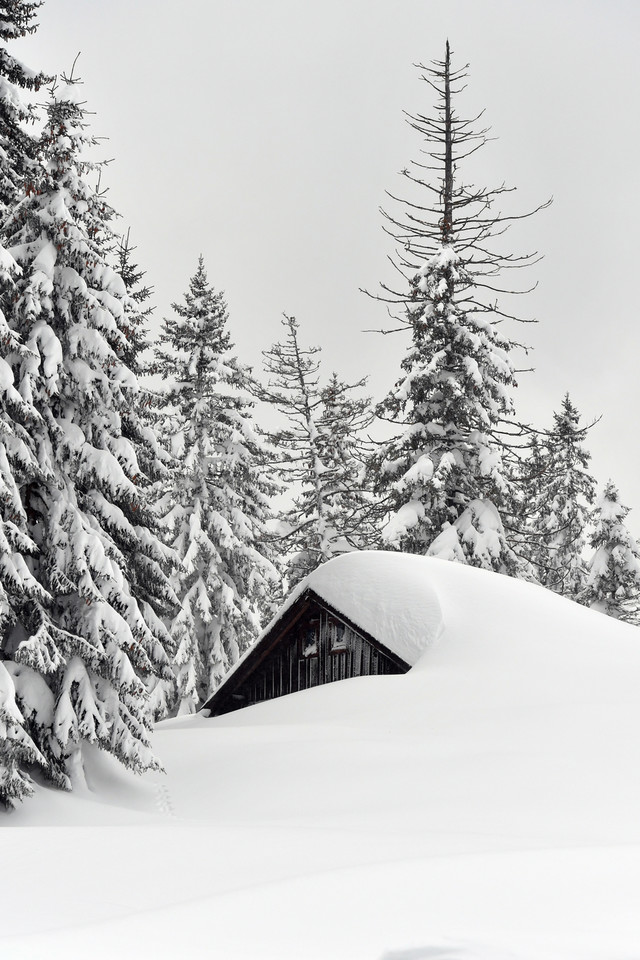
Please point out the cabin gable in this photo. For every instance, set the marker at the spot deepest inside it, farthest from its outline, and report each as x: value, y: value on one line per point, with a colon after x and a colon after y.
x: 312, y: 644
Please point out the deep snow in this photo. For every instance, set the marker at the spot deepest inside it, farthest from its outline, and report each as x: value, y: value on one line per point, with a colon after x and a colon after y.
x: 484, y: 805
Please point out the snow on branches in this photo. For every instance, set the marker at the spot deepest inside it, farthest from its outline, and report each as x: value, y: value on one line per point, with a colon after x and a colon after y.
x: 320, y: 457
x: 219, y: 493
x: 101, y: 571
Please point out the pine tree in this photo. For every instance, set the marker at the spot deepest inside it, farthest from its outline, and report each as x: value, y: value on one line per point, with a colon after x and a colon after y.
x: 137, y: 311
x: 453, y: 399
x: 24, y: 602
x: 560, y: 511
x: 613, y: 573
x: 319, y: 456
x: 142, y: 425
x: 477, y: 537
x: 221, y: 491
x: 96, y: 556
x: 17, y: 749
x: 527, y: 472
x: 141, y: 421
x: 343, y: 420
x: 19, y: 150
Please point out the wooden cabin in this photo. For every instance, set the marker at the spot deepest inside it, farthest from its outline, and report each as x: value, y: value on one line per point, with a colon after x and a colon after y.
x: 310, y: 644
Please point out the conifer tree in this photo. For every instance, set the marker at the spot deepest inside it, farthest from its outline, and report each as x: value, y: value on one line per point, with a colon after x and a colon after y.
x: 221, y: 491
x: 137, y: 310
x: 560, y: 510
x: 453, y: 400
x: 17, y: 749
x: 344, y: 418
x: 141, y: 421
x: 477, y: 537
x: 527, y: 475
x: 613, y: 572
x: 142, y: 425
x: 24, y: 602
x: 19, y: 150
x: 319, y: 456
x: 96, y: 556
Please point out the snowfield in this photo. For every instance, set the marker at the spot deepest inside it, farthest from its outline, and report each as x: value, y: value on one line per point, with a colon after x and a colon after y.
x: 485, y: 806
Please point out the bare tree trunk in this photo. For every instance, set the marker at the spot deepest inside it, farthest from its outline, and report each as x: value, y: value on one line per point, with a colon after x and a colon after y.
x: 447, y: 220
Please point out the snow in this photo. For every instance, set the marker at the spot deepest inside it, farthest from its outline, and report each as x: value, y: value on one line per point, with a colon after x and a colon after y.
x: 484, y: 806
x: 387, y: 594
x: 407, y: 516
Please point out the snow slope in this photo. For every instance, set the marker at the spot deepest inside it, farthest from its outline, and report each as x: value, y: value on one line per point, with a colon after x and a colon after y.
x: 484, y: 805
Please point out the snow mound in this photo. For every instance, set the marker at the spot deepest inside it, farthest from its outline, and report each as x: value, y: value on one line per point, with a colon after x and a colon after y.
x: 483, y: 806
x: 390, y: 595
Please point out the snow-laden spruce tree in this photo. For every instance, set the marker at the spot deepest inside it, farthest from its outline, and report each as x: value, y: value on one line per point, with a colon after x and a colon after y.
x: 142, y: 424
x: 450, y: 406
x: 24, y: 602
x: 560, y: 508
x: 613, y: 572
x: 220, y: 490
x: 319, y: 457
x: 17, y: 749
x: 477, y: 537
x: 19, y: 149
x: 141, y: 421
x: 137, y: 310
x: 343, y: 419
x: 95, y: 552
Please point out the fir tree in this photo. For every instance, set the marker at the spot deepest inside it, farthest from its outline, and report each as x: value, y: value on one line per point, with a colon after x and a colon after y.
x: 141, y: 424
x: 343, y: 419
x: 453, y: 399
x: 221, y: 493
x: 24, y: 602
x: 17, y: 749
x: 141, y: 421
x: 319, y: 456
x: 19, y: 150
x: 560, y: 510
x: 96, y: 556
x: 477, y: 537
x: 137, y: 310
x: 613, y: 573
x: 527, y: 471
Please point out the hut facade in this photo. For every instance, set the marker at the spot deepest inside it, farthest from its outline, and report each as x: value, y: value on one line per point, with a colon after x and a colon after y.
x: 310, y: 645
x: 361, y: 614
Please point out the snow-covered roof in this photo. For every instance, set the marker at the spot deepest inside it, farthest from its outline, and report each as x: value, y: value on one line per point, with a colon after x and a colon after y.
x: 389, y: 595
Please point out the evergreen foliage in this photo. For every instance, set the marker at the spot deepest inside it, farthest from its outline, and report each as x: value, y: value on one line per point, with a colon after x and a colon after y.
x: 320, y: 457
x: 453, y: 399
x: 99, y: 567
x: 19, y: 161
x: 23, y: 600
x: 477, y: 537
x: 560, y: 510
x: 220, y: 494
x: 17, y: 749
x: 137, y: 312
x: 141, y: 424
x: 613, y: 573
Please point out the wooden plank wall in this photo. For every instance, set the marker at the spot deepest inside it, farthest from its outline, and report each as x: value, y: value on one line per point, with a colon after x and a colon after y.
x: 320, y: 649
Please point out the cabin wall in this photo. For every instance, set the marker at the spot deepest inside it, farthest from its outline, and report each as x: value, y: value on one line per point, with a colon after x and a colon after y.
x: 319, y: 649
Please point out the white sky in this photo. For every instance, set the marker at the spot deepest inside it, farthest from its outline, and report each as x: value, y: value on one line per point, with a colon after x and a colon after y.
x: 264, y: 133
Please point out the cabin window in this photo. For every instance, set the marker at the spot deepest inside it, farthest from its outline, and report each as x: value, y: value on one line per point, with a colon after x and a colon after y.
x: 309, y: 640
x: 337, y: 637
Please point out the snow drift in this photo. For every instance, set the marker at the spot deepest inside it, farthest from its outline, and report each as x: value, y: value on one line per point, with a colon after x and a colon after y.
x: 482, y: 805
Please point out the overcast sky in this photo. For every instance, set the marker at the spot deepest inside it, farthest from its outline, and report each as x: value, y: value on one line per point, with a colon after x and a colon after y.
x: 264, y: 133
